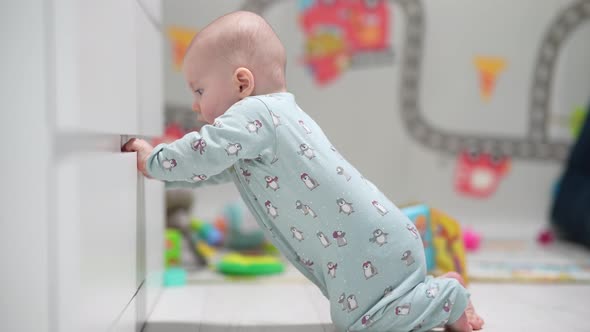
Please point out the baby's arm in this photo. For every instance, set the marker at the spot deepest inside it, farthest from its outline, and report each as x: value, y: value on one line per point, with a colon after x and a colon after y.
x: 245, y: 131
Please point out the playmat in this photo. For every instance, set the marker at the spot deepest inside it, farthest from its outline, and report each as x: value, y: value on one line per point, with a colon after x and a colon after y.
x: 525, y: 261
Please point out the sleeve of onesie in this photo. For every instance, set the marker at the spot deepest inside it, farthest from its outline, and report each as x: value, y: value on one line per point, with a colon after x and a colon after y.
x: 244, y: 131
x: 220, y: 178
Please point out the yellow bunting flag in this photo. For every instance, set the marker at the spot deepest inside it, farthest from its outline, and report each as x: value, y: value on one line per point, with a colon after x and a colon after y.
x: 180, y: 39
x: 488, y: 68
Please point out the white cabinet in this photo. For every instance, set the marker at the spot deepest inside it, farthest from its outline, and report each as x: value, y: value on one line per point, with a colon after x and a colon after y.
x: 97, y: 220
x: 149, y: 68
x: 80, y: 230
x: 95, y: 62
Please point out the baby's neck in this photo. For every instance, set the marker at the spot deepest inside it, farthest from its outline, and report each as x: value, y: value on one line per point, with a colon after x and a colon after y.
x: 265, y: 90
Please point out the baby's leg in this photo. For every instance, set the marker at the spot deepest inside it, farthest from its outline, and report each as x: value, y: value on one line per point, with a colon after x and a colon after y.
x: 470, y: 316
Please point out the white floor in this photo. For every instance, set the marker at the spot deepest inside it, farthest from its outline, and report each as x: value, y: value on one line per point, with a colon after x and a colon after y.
x: 291, y: 303
x: 299, y: 306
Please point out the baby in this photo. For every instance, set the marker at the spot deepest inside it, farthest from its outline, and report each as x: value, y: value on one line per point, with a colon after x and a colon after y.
x: 334, y: 225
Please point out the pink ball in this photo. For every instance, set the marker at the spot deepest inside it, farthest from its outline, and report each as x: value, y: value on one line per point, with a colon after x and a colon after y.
x: 471, y: 239
x: 545, y: 237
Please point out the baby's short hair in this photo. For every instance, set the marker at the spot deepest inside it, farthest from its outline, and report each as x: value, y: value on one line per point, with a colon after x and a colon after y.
x: 245, y: 39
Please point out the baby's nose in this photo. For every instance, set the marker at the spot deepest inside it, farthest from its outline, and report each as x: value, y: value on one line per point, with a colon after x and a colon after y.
x: 196, y: 108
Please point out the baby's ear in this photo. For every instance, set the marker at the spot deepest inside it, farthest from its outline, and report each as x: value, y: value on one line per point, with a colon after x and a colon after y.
x: 244, y: 82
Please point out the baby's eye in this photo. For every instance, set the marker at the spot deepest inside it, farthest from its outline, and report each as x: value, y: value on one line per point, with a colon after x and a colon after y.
x: 199, y: 91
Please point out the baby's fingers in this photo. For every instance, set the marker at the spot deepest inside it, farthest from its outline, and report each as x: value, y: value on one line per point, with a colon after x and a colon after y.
x: 132, y: 145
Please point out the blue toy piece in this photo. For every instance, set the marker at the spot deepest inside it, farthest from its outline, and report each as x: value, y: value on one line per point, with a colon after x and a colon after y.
x: 420, y: 216
x: 174, y: 277
x: 236, y: 237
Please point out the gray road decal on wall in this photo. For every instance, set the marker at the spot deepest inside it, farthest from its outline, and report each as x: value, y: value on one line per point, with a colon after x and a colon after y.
x: 535, y: 145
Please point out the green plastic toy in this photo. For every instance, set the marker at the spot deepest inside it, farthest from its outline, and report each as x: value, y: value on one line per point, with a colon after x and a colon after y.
x: 241, y: 265
x: 173, y: 247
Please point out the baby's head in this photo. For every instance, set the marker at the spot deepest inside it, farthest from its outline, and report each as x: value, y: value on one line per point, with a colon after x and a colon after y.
x: 236, y: 56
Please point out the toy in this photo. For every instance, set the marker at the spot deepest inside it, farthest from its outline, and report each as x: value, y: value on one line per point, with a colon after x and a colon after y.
x: 442, y: 238
x: 420, y: 216
x: 173, y: 247
x: 178, y: 206
x: 236, y: 237
x: 471, y: 239
x: 448, y: 244
x: 238, y: 264
x: 207, y: 232
x: 545, y: 237
x: 175, y: 277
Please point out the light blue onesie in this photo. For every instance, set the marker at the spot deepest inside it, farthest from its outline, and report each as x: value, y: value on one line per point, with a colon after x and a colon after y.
x: 334, y: 225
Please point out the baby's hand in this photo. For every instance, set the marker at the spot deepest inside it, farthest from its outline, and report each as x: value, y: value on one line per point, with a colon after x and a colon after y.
x: 143, y: 150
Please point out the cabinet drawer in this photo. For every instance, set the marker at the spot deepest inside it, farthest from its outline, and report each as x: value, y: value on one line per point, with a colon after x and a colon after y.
x: 128, y: 320
x: 155, y: 215
x: 96, y: 72
x: 149, y: 70
x: 97, y: 247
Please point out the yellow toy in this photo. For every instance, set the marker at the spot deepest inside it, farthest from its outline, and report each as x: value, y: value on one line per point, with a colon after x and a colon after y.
x: 448, y: 244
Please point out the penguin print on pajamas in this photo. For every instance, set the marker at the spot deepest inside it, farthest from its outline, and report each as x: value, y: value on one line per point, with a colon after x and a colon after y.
x: 307, y: 263
x: 309, y: 182
x: 246, y: 174
x: 341, y: 171
x: 253, y: 126
x: 352, y: 303
x: 432, y: 291
x: 169, y: 164
x: 366, y: 320
x: 413, y: 230
x: 380, y: 208
x: 306, y: 209
x: 447, y: 306
x: 297, y: 234
x: 379, y: 237
x: 407, y: 257
x: 233, y: 149
x: 342, y: 301
x: 276, y: 120
x: 199, y: 178
x: 217, y: 124
x: 306, y: 151
x: 305, y: 127
x: 417, y: 327
x: 332, y: 269
x: 344, y: 206
x: 387, y: 291
x: 271, y: 210
x: 369, y: 270
x: 272, y: 182
x: 403, y: 310
x: 200, y: 145
x: 323, y: 239
x: 340, y: 239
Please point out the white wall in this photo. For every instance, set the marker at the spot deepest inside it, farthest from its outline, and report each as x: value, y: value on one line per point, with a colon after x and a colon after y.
x: 361, y: 111
x: 26, y: 142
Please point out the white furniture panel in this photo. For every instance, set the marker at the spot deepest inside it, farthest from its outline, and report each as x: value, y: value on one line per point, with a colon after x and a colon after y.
x: 149, y: 68
x: 97, y: 207
x: 128, y: 320
x: 95, y: 45
x: 155, y: 215
x: 108, y: 236
x: 24, y: 137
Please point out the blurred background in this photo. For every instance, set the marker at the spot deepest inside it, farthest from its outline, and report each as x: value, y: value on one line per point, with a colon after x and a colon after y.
x: 468, y: 107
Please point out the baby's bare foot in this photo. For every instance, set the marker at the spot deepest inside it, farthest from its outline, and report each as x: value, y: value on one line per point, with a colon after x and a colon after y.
x: 473, y: 318
x: 461, y: 325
